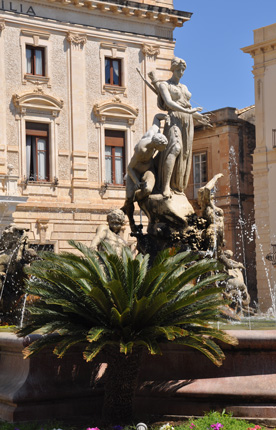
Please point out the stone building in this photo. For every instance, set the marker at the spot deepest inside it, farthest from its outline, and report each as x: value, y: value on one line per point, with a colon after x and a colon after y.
x: 73, y: 106
x: 264, y: 165
x: 227, y: 148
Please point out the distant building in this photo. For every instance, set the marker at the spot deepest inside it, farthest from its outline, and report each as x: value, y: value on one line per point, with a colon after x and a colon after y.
x: 227, y: 148
x: 73, y: 106
x: 264, y: 161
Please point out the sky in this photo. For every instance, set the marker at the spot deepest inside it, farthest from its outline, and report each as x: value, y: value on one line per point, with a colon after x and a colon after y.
x: 218, y: 73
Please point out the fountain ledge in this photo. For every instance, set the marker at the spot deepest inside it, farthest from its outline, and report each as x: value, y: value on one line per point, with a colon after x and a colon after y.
x: 181, y: 382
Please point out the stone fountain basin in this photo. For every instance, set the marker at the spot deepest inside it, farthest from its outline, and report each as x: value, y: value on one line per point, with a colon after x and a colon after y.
x: 181, y: 382
x: 44, y: 387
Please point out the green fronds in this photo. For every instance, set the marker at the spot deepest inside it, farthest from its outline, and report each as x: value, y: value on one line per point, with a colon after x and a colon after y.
x: 216, y: 357
x: 67, y: 342
x: 101, y: 299
x: 94, y: 334
x: 39, y: 344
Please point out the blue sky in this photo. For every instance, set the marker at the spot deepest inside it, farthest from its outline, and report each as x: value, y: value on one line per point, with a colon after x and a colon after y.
x: 218, y: 73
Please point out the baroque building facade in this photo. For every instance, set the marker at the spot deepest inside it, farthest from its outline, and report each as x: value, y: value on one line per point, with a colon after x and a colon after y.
x: 264, y: 161
x: 73, y: 106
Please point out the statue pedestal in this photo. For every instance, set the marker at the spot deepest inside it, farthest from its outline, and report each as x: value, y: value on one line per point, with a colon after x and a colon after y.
x: 172, y: 223
x: 173, y: 210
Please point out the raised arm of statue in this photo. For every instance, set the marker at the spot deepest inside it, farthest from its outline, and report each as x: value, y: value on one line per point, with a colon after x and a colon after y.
x: 212, y: 183
x: 204, y: 195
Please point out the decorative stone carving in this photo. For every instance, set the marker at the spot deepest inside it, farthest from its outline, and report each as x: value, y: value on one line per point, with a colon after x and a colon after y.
x: 235, y: 289
x: 38, y: 101
x: 214, y: 232
x: 115, y: 108
x: 76, y: 40
x: 2, y: 26
x: 151, y: 51
x: 42, y: 225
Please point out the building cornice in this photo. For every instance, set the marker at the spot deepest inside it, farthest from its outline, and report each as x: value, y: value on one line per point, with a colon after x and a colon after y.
x: 130, y: 9
x: 260, y: 48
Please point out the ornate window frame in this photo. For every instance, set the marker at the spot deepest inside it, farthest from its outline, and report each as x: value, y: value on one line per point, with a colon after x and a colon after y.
x: 41, y: 108
x: 40, y: 39
x: 116, y: 52
x: 113, y: 114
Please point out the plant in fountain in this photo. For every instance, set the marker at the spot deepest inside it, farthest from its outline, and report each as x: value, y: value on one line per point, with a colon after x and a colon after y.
x: 119, y: 305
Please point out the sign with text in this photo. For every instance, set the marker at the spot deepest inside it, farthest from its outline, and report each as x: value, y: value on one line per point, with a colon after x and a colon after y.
x: 11, y: 6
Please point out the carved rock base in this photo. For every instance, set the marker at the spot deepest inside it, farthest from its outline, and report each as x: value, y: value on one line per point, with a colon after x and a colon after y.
x: 173, y: 210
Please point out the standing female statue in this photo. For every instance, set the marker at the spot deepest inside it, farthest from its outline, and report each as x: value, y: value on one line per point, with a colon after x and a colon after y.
x: 174, y: 164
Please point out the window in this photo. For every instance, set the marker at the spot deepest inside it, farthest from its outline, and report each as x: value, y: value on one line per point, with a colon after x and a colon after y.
x: 42, y: 247
x: 274, y: 138
x: 199, y: 171
x: 35, y: 60
x: 114, y: 157
x: 113, y: 75
x: 37, y: 152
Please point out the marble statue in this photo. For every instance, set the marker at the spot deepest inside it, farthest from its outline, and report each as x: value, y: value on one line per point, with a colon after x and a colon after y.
x: 236, y: 290
x: 214, y: 232
x: 158, y: 174
x: 111, y: 233
x: 140, y: 178
x: 175, y: 162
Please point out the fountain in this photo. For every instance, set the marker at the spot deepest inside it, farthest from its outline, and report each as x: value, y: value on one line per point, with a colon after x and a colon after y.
x: 181, y: 381
x: 15, y: 254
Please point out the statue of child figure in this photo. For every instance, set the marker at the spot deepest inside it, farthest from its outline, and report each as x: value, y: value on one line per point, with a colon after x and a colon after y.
x: 111, y: 233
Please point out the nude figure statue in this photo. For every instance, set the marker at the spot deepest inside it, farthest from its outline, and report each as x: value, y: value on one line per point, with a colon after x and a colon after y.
x: 140, y: 179
x: 236, y: 290
x: 213, y: 214
x: 111, y: 233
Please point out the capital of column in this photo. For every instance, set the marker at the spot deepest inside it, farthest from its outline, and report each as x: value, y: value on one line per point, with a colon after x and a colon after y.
x: 76, y: 40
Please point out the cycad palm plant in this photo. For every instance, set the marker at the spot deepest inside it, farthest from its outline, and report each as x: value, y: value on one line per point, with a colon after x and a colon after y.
x: 122, y: 306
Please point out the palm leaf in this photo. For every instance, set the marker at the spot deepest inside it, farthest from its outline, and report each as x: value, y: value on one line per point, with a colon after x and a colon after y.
x: 101, y: 299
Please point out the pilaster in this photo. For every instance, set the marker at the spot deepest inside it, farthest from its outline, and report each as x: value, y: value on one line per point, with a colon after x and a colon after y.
x: 78, y: 109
